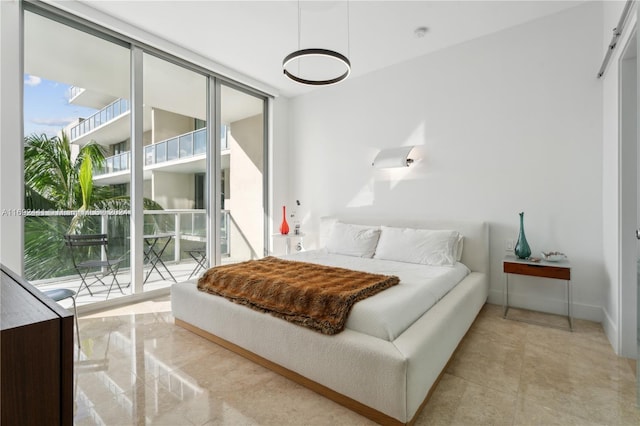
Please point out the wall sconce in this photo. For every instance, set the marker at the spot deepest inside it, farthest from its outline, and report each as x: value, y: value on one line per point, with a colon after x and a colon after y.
x: 394, y: 157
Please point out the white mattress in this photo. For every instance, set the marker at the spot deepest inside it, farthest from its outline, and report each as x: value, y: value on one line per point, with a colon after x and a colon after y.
x: 387, y: 314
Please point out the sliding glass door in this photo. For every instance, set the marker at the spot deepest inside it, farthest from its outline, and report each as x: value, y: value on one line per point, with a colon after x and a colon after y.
x: 175, y: 165
x: 178, y: 160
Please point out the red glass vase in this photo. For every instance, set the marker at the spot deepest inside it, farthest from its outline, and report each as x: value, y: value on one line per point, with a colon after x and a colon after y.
x: 284, y: 226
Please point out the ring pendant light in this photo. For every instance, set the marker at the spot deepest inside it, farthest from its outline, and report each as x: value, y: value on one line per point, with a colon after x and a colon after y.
x: 316, y: 52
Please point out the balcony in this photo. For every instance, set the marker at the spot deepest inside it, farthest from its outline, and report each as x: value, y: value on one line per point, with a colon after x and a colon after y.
x: 116, y: 163
x: 74, y: 92
x: 183, y: 153
x: 183, y: 146
x: 95, y: 127
x: 89, y: 98
x: 50, y: 267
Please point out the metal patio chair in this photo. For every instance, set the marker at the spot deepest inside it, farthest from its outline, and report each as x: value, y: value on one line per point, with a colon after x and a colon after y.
x: 93, y: 247
x: 200, y: 256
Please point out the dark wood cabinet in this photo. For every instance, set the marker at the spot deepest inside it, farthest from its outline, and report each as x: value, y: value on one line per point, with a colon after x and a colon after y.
x: 36, y: 365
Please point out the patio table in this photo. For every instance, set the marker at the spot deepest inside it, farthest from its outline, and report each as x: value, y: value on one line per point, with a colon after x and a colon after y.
x: 153, y: 253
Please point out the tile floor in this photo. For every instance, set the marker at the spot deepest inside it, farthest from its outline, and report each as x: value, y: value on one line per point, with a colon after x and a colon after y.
x: 136, y: 367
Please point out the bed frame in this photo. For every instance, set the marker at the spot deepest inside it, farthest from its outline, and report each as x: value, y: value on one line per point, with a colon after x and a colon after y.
x: 341, y: 366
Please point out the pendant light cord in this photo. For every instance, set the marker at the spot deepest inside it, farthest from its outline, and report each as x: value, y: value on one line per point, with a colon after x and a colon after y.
x: 299, y: 32
x: 299, y: 17
x: 304, y: 53
x: 348, y: 30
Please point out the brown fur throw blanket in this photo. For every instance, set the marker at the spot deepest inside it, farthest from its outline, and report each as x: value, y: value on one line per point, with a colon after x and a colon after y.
x: 314, y: 296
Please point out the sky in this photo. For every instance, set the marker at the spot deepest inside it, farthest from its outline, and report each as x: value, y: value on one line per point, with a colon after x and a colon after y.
x: 46, y: 106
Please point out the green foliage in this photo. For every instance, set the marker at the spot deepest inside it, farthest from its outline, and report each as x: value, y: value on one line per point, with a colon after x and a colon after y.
x: 52, y: 172
x: 85, y: 179
x: 34, y: 201
x: 59, y: 178
x: 44, y: 253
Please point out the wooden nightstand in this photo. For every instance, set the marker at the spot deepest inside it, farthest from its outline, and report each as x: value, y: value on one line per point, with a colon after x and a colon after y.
x: 543, y: 269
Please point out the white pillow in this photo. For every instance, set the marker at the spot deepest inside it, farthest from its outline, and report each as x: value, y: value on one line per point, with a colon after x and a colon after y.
x: 424, y: 246
x: 326, y: 226
x: 459, y: 246
x: 353, y: 240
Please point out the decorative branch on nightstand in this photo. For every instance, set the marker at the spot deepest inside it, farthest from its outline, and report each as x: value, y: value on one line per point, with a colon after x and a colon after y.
x: 295, y: 220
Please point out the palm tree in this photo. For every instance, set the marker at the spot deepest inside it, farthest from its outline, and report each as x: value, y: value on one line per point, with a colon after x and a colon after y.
x: 52, y: 171
x: 57, y: 178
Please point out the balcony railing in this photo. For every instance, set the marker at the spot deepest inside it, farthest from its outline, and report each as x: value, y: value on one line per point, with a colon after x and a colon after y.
x: 117, y: 163
x: 183, y: 146
x: 75, y: 91
x: 46, y: 257
x: 106, y: 114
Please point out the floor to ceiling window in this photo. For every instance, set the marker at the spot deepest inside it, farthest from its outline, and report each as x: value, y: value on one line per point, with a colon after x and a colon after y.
x: 76, y: 115
x: 175, y: 159
x: 78, y: 105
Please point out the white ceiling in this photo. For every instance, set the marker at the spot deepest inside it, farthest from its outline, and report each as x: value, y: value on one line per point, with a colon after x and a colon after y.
x: 253, y: 37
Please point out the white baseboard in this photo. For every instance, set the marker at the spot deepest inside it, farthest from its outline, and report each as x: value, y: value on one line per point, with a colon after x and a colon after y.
x: 543, y: 304
x: 611, y: 331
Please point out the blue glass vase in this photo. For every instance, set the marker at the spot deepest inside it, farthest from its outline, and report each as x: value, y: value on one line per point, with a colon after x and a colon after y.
x: 522, y: 249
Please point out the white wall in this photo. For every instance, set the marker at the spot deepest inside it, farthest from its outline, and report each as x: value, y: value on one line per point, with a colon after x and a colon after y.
x: 11, y: 173
x: 168, y: 124
x: 628, y: 208
x: 173, y: 190
x: 245, y: 201
x: 505, y: 123
x: 611, y: 191
x: 279, y: 168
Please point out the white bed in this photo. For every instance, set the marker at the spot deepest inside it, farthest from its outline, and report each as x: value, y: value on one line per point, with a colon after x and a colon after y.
x: 375, y: 369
